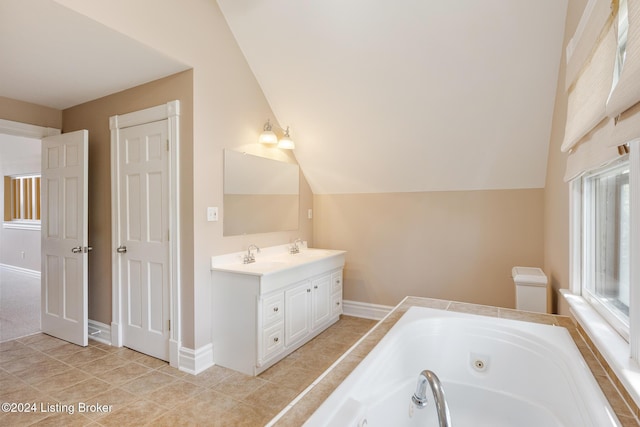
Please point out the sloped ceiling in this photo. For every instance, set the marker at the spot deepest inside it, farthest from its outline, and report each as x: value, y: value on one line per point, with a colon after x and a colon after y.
x: 53, y: 56
x: 408, y: 95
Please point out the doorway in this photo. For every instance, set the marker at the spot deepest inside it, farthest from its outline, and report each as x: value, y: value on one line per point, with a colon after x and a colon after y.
x: 20, y: 258
x: 145, y: 231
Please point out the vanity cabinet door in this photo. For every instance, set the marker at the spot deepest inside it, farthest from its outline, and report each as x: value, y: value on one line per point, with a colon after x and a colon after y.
x: 296, y: 318
x: 321, y: 301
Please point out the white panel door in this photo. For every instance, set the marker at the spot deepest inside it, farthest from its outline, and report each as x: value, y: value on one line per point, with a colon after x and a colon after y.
x: 144, y: 237
x: 64, y: 220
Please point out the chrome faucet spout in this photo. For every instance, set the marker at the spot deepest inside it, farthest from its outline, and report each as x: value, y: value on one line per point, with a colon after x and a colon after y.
x: 249, y: 256
x: 295, y: 247
x: 419, y: 398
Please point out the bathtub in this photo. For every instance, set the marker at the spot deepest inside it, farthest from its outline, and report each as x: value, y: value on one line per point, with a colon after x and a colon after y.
x: 494, y: 372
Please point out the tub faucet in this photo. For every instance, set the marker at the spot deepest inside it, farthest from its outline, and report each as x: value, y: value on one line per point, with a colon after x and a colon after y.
x: 419, y: 398
x: 249, y: 257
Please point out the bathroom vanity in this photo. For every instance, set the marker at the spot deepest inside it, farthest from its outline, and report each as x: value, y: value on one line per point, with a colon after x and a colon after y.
x: 264, y: 310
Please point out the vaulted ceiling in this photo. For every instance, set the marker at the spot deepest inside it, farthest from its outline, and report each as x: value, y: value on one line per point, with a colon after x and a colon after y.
x: 381, y: 95
x: 408, y: 95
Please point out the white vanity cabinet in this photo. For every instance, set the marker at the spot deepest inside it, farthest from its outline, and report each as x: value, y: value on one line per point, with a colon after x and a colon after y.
x: 263, y: 312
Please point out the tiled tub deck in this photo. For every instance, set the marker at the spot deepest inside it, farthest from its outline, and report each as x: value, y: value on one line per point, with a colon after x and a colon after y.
x: 305, y: 404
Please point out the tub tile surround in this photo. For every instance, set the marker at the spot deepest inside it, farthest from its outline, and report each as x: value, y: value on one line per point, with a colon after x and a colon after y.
x: 301, y: 408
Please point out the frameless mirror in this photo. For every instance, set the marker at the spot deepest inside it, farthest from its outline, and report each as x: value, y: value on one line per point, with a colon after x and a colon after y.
x: 260, y: 194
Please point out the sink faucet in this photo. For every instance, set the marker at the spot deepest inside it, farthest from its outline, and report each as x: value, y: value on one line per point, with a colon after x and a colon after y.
x: 419, y: 398
x: 295, y: 248
x: 249, y: 257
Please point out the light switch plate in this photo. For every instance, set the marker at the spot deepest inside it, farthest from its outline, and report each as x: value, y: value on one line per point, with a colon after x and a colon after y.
x: 212, y: 214
x: 310, y: 214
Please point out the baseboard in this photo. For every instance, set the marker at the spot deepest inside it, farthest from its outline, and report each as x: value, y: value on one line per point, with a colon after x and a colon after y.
x: 100, y: 332
x: 32, y: 273
x: 364, y: 309
x: 196, y: 361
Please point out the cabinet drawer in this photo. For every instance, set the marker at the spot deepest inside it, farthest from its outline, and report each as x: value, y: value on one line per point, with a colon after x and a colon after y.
x: 336, y: 304
x: 272, y: 341
x: 336, y: 282
x: 273, y: 309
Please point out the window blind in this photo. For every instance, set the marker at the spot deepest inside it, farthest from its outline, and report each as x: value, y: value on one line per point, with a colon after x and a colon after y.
x: 588, y: 95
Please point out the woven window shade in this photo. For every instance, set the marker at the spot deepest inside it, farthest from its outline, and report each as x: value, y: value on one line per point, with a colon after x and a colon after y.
x: 600, y: 146
x: 626, y: 93
x: 596, y: 15
x: 627, y: 127
x: 588, y: 96
x: 593, y: 151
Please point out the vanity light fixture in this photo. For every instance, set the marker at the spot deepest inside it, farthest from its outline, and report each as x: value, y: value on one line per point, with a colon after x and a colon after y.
x: 286, y: 142
x: 269, y: 137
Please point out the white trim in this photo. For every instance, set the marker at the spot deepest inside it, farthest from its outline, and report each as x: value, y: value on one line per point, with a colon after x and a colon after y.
x: 99, y: 331
x: 27, y: 272
x: 21, y: 225
x: 170, y: 112
x: 365, y: 310
x: 613, y: 348
x: 575, y: 233
x: 26, y: 130
x: 634, y: 255
x: 196, y: 361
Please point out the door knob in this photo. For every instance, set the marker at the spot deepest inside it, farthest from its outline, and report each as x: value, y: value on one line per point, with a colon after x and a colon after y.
x: 77, y: 250
x: 122, y: 249
x: 87, y: 249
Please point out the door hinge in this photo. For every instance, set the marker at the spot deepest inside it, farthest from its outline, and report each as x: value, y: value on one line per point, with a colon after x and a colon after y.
x: 167, y: 145
x: 169, y: 324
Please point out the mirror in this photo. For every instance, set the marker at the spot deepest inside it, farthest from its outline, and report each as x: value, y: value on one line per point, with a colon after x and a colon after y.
x: 260, y: 194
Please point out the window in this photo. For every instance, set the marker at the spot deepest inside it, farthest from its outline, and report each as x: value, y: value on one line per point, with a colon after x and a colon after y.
x: 606, y: 244
x: 22, y: 198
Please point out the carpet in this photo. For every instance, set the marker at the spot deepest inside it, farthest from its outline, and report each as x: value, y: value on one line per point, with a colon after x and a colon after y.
x: 19, y: 305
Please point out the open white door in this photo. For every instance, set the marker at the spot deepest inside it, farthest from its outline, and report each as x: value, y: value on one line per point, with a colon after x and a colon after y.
x: 64, y: 220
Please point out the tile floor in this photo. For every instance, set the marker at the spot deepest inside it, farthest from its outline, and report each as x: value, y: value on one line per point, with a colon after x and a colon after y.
x: 66, y: 385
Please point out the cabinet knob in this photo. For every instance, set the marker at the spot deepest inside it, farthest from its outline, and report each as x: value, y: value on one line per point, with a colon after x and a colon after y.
x: 338, y: 303
x: 308, y: 290
x: 276, y: 339
x: 338, y: 281
x: 275, y: 309
x: 315, y: 287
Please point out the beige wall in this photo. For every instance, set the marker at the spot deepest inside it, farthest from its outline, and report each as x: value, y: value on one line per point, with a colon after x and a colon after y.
x: 94, y: 116
x: 452, y: 245
x: 556, y: 196
x: 33, y: 114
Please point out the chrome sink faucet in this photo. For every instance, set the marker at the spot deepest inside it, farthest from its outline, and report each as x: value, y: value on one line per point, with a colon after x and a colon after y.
x: 295, y: 248
x: 250, y: 257
x: 419, y: 398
